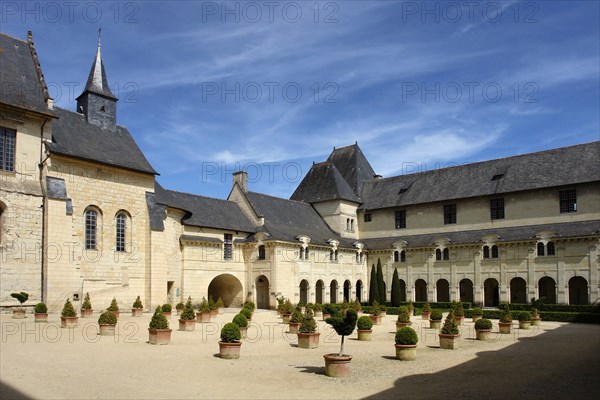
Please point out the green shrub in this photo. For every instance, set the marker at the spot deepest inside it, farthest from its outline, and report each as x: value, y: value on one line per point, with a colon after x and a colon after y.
x: 220, y: 303
x: 505, y: 315
x: 113, y: 305
x: 427, y: 307
x: 318, y: 307
x: 230, y: 333
x: 458, y: 309
x: 450, y: 327
x: 383, y: 308
x: 406, y: 336
x: 411, y: 307
x: 436, y: 315
x: 524, y: 316
x: 476, y: 312
x: 240, y: 320
x: 159, y: 321
x: 376, y: 309
x: 364, y: 323
x: 309, y: 325
x: 166, y: 308
x: 483, y: 324
x: 107, y: 318
x: 343, y: 326
x: 296, y: 316
x: 246, y: 312
x: 87, y: 303
x: 188, y: 313
x: 211, y: 303
x: 330, y: 309
x: 403, y: 315
x: 287, y: 307
x: 204, y: 307
x: 40, y: 308
x: 137, y: 303
x: 21, y: 297
x: 179, y: 306
x: 68, y: 310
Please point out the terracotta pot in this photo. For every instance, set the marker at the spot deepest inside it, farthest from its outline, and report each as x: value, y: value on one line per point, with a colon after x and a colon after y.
x: 187, y: 325
x: 308, y: 340
x: 337, y: 366
x: 364, y: 335
x: 435, y: 324
x: 214, y: 313
x: 229, y: 350
x: 293, y: 327
x: 244, y: 331
x: 69, y: 322
x: 18, y: 313
x: 406, y: 352
x: 402, y: 325
x: 482, y: 334
x: 459, y: 320
x: 202, y: 317
x: 286, y: 318
x: 167, y: 314
x: 137, y: 312
x: 107, y: 330
x: 524, y: 324
x: 87, y: 313
x: 41, y: 317
x: 536, y: 321
x: 476, y: 318
x: 504, y: 327
x: 159, y: 336
x: 449, y: 342
x: 376, y: 319
x: 425, y: 315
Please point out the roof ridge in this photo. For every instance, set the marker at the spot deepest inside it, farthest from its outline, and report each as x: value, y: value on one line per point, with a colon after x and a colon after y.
x: 12, y: 37
x: 279, y: 198
x: 197, y: 195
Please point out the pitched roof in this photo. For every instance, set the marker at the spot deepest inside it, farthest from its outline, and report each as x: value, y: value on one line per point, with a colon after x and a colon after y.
x: 97, y: 81
x: 73, y: 136
x: 287, y: 219
x: 511, y: 234
x: 204, y: 211
x: 551, y: 168
x: 324, y: 182
x: 354, y: 166
x: 21, y: 77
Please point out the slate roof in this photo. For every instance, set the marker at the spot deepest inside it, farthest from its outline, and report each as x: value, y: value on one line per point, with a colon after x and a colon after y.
x: 73, y: 136
x: 21, y: 77
x: 511, y: 234
x: 97, y: 81
x: 287, y: 219
x: 200, y: 239
x: 551, y: 168
x: 324, y: 182
x: 204, y: 211
x: 354, y: 166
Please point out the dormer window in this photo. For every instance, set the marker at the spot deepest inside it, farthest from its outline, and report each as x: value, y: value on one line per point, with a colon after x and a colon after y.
x: 497, y: 177
x: 262, y: 254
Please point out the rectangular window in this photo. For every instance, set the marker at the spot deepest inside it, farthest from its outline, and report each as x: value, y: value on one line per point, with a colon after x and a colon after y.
x: 8, y: 137
x: 568, y: 201
x: 497, y: 208
x: 228, y: 246
x: 449, y: 214
x: 401, y: 219
x: 367, y: 218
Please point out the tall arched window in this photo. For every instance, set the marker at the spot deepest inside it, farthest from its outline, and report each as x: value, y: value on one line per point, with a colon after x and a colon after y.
x: 1, y: 220
x: 540, y: 249
x: 486, y: 252
x: 91, y: 229
x: 306, y: 253
x: 438, y: 254
x: 121, y: 226
x: 446, y: 254
x: 403, y: 256
x: 262, y: 254
x: 352, y: 225
x: 396, y: 256
x: 550, y: 250
x: 494, y: 251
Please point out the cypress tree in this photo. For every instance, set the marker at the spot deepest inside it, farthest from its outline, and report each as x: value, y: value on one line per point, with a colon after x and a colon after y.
x: 373, y: 287
x: 395, y: 289
x: 380, y: 283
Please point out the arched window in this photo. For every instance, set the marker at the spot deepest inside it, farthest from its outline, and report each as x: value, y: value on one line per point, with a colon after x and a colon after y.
x: 494, y: 251
x: 550, y: 250
x: 305, y: 253
x: 540, y: 249
x: 352, y: 225
x: 91, y: 229
x: 347, y: 224
x: 330, y: 255
x: 261, y: 252
x: 1, y: 220
x: 403, y: 256
x: 446, y: 254
x: 335, y: 256
x: 486, y: 252
x: 438, y: 254
x: 121, y: 222
x: 396, y: 256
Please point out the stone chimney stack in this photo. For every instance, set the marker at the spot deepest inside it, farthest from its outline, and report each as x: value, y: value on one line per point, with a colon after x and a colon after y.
x: 241, y: 178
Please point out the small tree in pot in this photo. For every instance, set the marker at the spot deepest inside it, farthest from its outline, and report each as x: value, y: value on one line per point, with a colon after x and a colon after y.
x: 166, y: 309
x: 476, y: 314
x: 107, y: 322
x: 179, y: 307
x: 524, y: 320
x: 308, y: 337
x: 242, y: 322
x: 376, y: 313
x: 41, y: 312
x: 214, y: 311
x: 114, y: 307
x: 459, y: 312
x: 158, y: 330
x: 295, y: 321
x: 137, y: 309
x: 338, y: 365
x: 364, y: 327
x: 403, y: 318
x: 220, y: 305
x: 86, y: 307
x: 483, y: 329
x: 68, y: 316
x: 203, y: 314
x: 247, y: 313
x: 426, y: 311
x: 449, y: 334
x: 286, y: 311
x: 187, y: 319
x: 406, y: 344
x: 505, y: 320
x: 229, y: 346
x: 435, y: 319
x: 318, y: 310
x: 19, y: 313
x: 411, y: 308
x: 536, y: 320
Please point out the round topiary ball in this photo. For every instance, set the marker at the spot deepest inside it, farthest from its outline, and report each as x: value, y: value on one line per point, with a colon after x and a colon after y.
x: 406, y: 336
x: 364, y: 323
x: 40, y: 308
x: 483, y: 324
x: 435, y: 315
x: 246, y: 312
x: 107, y: 318
x: 230, y: 333
x: 240, y: 320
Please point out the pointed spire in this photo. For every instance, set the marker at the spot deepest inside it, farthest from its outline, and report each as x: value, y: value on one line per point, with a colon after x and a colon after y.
x: 97, y: 81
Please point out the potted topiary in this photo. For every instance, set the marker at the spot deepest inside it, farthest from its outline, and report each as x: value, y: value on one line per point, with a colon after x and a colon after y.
x: 308, y: 337
x: 403, y: 318
x: 68, y: 316
x: 295, y: 321
x: 357, y: 307
x: 247, y: 313
x: 280, y: 303
x: 383, y: 309
x: 249, y: 306
x: 426, y: 311
x: 318, y: 310
x: 449, y: 334
x: 86, y: 307
x: 137, y: 309
x: 19, y: 313
x: 229, y: 346
x: 411, y: 308
x: 524, y: 320
x: 435, y: 319
x: 166, y: 309
x: 536, y: 320
x: 220, y: 305
x: 41, y: 312
x: 242, y: 323
x: 301, y: 306
x: 406, y: 344
x: 286, y: 312
x: 107, y: 322
x: 187, y: 319
x: 114, y: 307
x: 459, y: 312
x: 214, y: 311
x: 203, y: 314
x: 158, y: 330
x: 338, y: 365
x: 376, y: 313
x: 476, y: 314
x: 179, y: 308
x: 364, y: 327
x: 483, y: 329
x: 505, y: 320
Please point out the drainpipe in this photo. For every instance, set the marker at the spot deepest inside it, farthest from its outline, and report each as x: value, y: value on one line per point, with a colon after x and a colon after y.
x: 43, y: 207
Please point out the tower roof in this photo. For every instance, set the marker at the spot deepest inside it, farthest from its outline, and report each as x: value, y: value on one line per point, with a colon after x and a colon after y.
x: 97, y: 81
x: 324, y: 182
x: 354, y: 167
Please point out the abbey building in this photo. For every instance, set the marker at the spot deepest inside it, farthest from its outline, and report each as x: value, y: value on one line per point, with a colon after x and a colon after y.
x: 81, y: 211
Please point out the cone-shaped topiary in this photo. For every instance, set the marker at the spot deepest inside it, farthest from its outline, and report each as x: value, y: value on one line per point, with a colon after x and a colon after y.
x: 364, y: 323
x: 406, y: 336
x: 343, y: 326
x: 427, y: 307
x: 403, y: 315
x: 188, y: 311
x: 159, y: 321
x: 309, y: 325
x: 483, y: 324
x: 137, y: 303
x: 380, y: 283
x: 113, y: 305
x: 396, y: 294
x: 68, y: 310
x: 373, y: 287
x: 87, y: 303
x: 436, y: 315
x: 450, y: 327
x: 458, y: 309
x: 296, y: 316
x: 21, y: 297
x: 204, y: 306
x: 211, y: 303
x: 107, y: 318
x: 506, y: 316
x: 375, y: 309
x: 40, y: 308
x: 240, y: 320
x: 220, y: 302
x: 230, y: 333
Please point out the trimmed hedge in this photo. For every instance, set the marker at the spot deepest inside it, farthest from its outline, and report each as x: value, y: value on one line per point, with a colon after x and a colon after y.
x: 421, y: 304
x: 569, y: 308
x: 583, y: 317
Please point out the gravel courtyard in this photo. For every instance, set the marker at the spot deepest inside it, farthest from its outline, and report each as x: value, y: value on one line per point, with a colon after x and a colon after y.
x: 42, y: 361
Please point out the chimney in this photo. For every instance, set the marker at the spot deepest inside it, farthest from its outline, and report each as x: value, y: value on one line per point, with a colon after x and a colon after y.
x: 241, y: 178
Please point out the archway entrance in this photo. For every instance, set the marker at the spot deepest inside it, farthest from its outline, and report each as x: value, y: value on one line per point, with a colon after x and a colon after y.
x: 420, y: 290
x: 547, y: 290
x: 578, y: 290
x: 319, y: 292
x: 402, y: 290
x: 443, y: 290
x: 465, y: 287
x: 491, y: 293
x: 359, y: 288
x: 518, y: 291
x: 304, y: 291
x: 262, y: 293
x: 347, y: 286
x: 333, y: 287
x: 228, y: 288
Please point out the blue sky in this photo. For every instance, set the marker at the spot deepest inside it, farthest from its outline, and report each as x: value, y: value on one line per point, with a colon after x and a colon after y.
x: 207, y: 88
